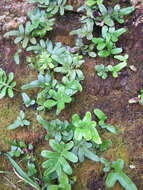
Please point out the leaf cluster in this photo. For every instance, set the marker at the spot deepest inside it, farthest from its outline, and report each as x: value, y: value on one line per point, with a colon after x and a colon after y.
x: 54, y: 6
x: 20, y: 121
x: 107, y: 16
x: 54, y: 93
x: 40, y: 22
x: 16, y: 147
x: 102, y: 71
x: 6, y: 84
x: 120, y: 176
x: 23, y: 35
x: 57, y: 59
x: 97, y: 14
x: 102, y: 118
x: 27, y: 101
x: 107, y: 44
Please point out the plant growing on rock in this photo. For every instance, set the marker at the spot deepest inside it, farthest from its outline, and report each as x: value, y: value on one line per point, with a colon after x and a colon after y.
x: 85, y: 128
x: 83, y: 149
x: 57, y: 160
x: 70, y: 65
x: 120, y: 176
x: 19, y: 122
x: 117, y: 68
x: 54, y: 93
x: 62, y: 94
x: 6, y: 84
x: 54, y: 6
x: 107, y: 16
x: 41, y: 23
x: 85, y: 49
x: 102, y: 117
x: 27, y: 101
x: 23, y: 35
x: 102, y: 71
x: 60, y: 130
x: 106, y: 44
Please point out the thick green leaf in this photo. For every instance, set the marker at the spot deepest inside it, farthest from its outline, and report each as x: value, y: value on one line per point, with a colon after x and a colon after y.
x: 126, y: 11
x: 10, y: 93
x: 104, y: 53
x: 108, y: 21
x: 116, y: 50
x: 126, y: 182
x: 111, y: 180
x: 101, y: 46
x: 65, y: 165
x: 27, y: 101
x: 110, y: 128
x: 50, y: 103
x: 102, y: 9
x: 11, y: 33
x: 119, y: 66
x: 100, y: 114
x: 118, y: 165
x: 16, y: 56
x: 70, y: 156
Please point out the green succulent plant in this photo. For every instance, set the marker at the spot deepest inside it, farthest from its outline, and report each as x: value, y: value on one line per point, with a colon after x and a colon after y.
x: 60, y: 130
x: 117, y: 68
x: 23, y: 35
x: 70, y: 66
x: 6, y: 84
x: 85, y: 49
x: 41, y: 23
x: 20, y: 121
x: 107, y: 16
x: 54, y: 6
x: 42, y: 82
x: 27, y: 101
x: 120, y: 176
x: 106, y: 44
x: 83, y: 149
x: 59, y: 98
x: 102, y: 71
x: 42, y: 63
x: 85, y: 128
x: 57, y: 160
x: 102, y: 117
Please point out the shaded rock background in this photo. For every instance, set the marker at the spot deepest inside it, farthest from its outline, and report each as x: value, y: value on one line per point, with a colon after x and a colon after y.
x: 111, y: 96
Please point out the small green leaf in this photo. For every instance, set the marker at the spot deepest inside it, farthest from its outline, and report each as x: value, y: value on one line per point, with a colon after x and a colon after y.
x: 104, y: 53
x: 116, y: 50
x: 50, y: 103
x: 126, y: 182
x: 108, y: 21
x: 110, y: 128
x: 100, y: 114
x: 111, y: 180
x: 102, y: 9
x: 16, y: 56
x: 101, y: 46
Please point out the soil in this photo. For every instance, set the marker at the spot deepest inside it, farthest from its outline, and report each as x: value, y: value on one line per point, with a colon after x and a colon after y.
x: 110, y: 95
